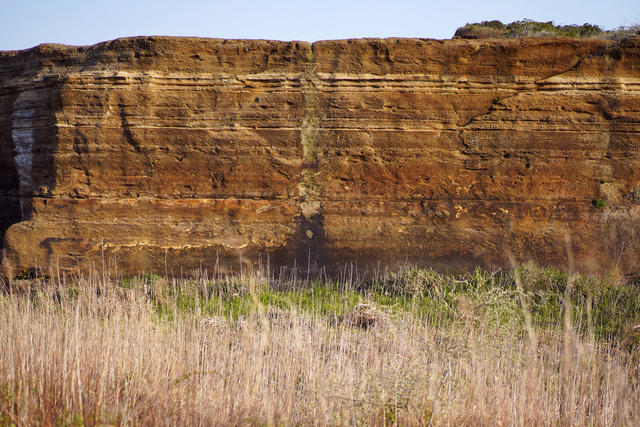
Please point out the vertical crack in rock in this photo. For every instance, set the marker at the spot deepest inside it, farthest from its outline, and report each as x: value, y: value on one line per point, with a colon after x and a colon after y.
x: 23, y: 139
x: 310, y: 240
x: 310, y: 122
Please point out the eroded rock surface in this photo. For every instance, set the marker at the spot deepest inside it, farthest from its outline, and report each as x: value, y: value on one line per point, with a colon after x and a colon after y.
x: 173, y: 154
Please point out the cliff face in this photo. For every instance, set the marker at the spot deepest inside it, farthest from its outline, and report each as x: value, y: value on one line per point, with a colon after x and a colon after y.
x: 161, y: 154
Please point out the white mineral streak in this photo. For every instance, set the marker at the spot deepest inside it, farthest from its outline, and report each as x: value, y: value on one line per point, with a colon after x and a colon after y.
x: 23, y: 140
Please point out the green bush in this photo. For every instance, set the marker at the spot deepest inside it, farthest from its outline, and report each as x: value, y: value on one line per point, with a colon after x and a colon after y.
x: 531, y: 28
x: 599, y: 204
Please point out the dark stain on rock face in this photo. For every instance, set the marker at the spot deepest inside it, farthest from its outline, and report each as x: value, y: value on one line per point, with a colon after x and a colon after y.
x: 306, y: 251
x: 9, y: 215
x: 311, y: 242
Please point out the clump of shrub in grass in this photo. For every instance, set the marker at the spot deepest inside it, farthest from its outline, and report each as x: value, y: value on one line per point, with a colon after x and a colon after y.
x: 366, y: 315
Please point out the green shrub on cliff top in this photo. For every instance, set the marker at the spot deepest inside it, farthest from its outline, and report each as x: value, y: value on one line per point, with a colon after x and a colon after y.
x: 530, y: 28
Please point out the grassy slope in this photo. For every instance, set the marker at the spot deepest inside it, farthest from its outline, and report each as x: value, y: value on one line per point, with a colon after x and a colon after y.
x: 525, y: 347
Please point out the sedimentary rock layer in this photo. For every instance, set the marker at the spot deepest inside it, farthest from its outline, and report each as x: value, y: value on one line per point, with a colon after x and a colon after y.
x: 168, y: 154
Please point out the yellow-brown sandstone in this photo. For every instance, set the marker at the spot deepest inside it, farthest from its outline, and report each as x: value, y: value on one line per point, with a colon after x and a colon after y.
x: 172, y: 154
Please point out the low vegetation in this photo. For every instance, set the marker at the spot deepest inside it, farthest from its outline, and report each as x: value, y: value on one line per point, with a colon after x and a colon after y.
x: 530, y: 28
x: 526, y: 347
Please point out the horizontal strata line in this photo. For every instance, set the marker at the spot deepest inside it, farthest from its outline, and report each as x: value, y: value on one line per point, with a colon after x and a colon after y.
x: 410, y: 86
x: 430, y: 202
x: 296, y: 75
x: 294, y: 201
x: 299, y: 79
x: 368, y: 121
x: 290, y: 76
x: 322, y: 89
x: 250, y: 128
x: 435, y: 77
x: 417, y: 152
x: 353, y: 129
x: 569, y: 89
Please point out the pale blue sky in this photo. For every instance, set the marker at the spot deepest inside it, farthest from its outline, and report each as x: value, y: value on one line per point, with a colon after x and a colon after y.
x: 27, y: 23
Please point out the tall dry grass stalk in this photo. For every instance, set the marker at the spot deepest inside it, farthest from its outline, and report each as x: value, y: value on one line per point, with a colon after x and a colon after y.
x: 98, y: 354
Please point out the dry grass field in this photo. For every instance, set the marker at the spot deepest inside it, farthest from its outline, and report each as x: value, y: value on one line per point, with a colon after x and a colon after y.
x: 524, y: 347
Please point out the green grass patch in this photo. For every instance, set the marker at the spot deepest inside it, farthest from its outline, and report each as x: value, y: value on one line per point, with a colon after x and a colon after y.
x: 606, y: 309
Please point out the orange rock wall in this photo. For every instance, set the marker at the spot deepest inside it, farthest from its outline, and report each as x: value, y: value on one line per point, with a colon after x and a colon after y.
x: 173, y: 154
